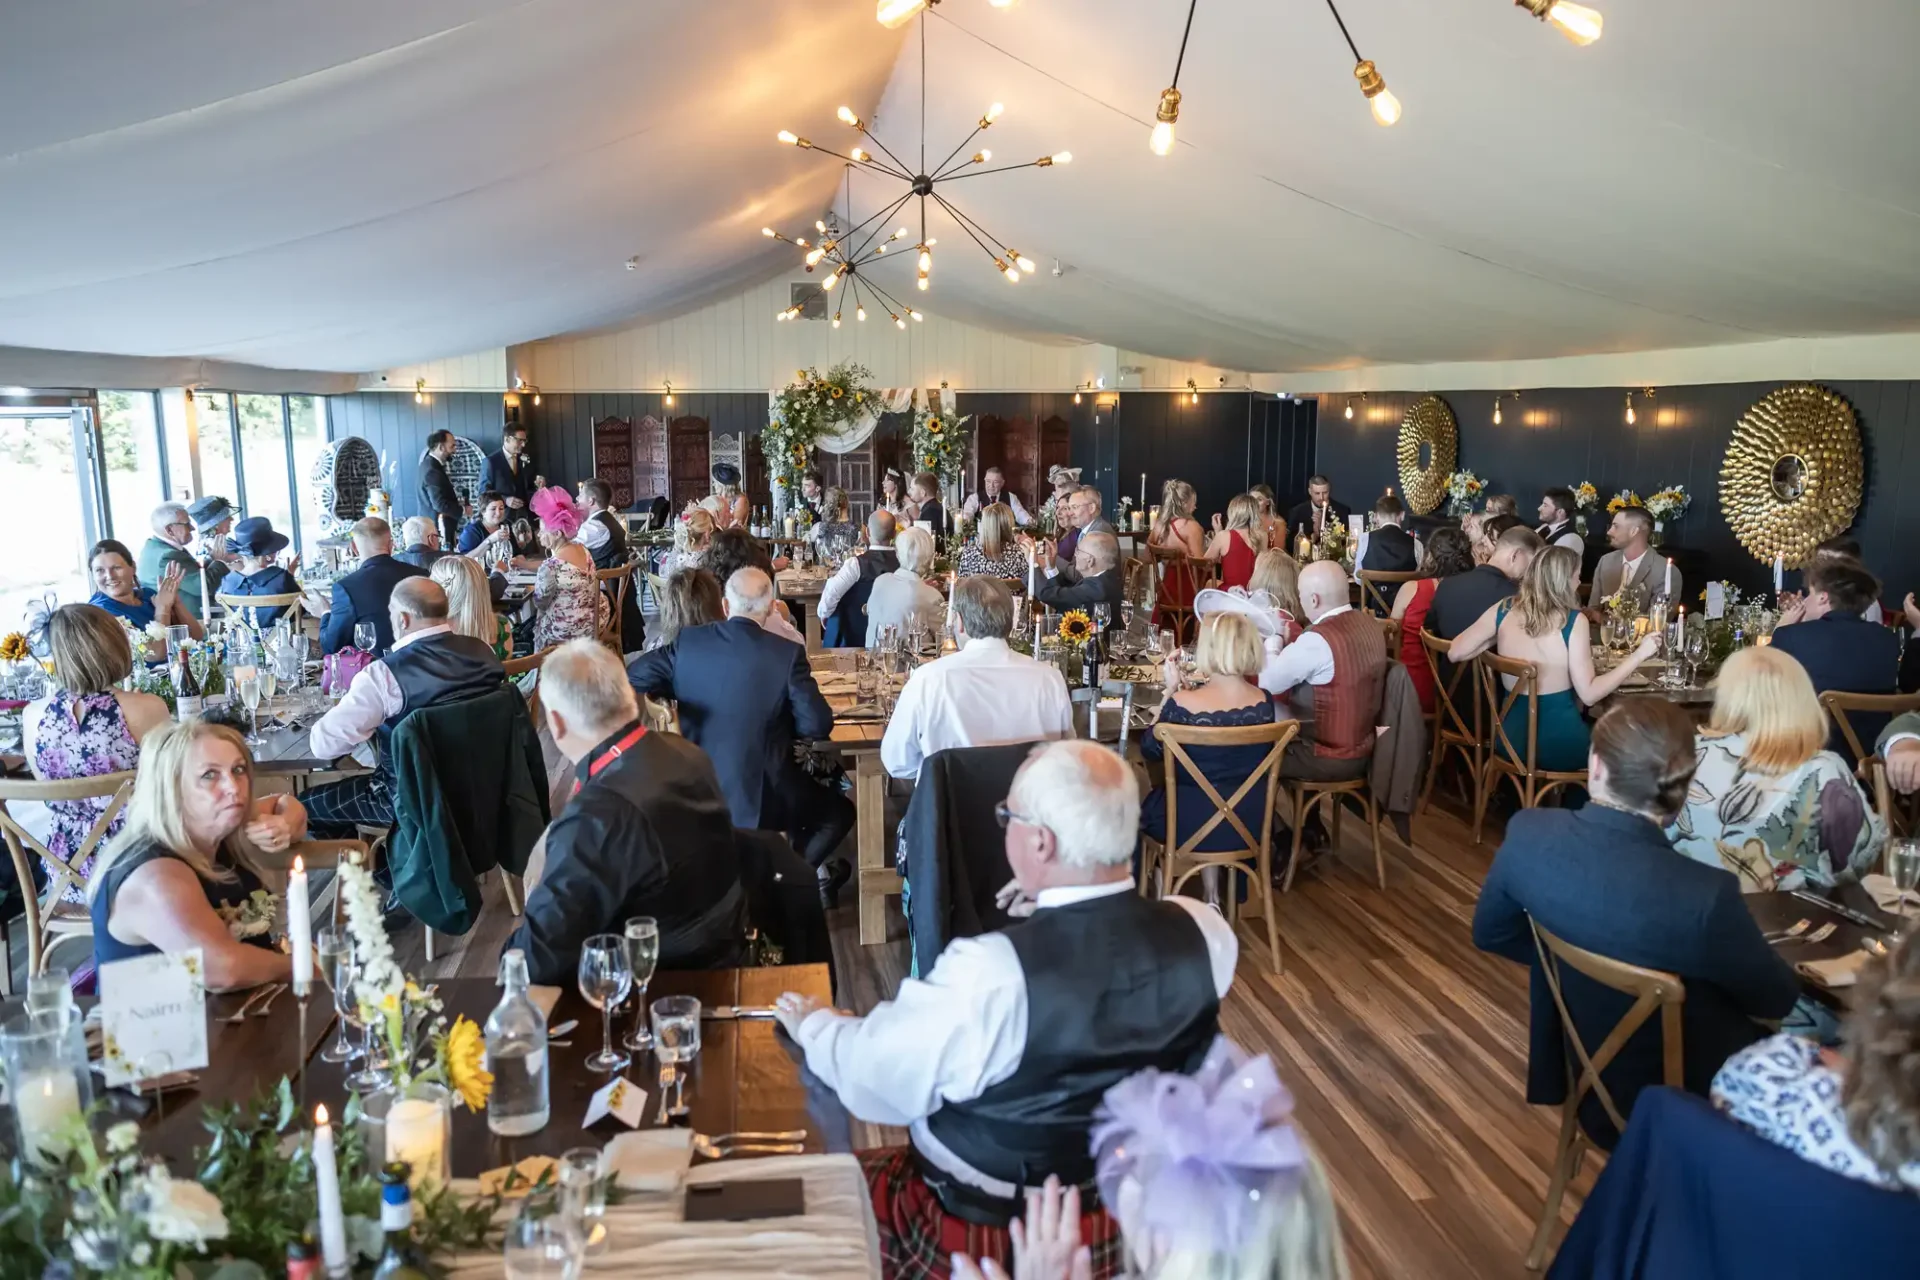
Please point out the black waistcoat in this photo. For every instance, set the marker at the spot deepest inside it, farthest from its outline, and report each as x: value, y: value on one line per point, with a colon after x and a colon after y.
x: 852, y: 609
x: 441, y: 668
x: 613, y: 552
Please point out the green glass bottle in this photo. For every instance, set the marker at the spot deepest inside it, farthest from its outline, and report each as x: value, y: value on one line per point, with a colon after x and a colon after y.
x: 400, y: 1260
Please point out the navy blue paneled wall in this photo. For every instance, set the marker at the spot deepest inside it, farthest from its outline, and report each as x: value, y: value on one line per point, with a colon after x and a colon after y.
x: 1561, y: 436
x: 1227, y: 442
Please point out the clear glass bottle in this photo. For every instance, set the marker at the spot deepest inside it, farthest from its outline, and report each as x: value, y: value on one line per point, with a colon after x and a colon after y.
x: 516, y: 1039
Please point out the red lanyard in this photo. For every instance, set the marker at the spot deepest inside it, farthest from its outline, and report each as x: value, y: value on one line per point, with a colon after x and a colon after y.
x: 613, y: 753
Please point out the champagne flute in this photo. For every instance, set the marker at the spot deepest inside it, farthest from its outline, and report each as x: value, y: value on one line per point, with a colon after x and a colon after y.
x: 643, y: 953
x: 1903, y: 868
x: 248, y: 687
x: 605, y: 979
x: 335, y: 951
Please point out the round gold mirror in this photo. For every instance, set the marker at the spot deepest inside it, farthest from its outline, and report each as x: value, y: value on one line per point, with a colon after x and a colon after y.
x: 1789, y: 478
x: 1792, y: 473
x: 1429, y: 446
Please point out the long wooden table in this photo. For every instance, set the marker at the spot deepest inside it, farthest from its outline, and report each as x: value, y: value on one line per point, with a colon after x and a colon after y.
x: 1780, y: 909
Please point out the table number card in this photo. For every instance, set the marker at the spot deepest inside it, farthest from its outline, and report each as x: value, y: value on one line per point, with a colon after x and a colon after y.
x: 153, y: 1016
x: 1716, y: 600
x: 621, y: 1099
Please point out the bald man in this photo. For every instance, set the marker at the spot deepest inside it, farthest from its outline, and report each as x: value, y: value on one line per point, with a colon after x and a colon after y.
x: 429, y: 663
x: 1093, y: 578
x: 1334, y: 675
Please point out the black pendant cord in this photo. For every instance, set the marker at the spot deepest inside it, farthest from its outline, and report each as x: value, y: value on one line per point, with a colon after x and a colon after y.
x: 923, y: 93
x: 1344, y: 32
x: 1181, y: 60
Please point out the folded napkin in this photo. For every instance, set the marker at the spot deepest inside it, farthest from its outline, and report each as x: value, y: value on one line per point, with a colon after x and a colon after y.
x: 1840, y: 971
x: 1885, y: 896
x: 650, y: 1159
x: 544, y: 998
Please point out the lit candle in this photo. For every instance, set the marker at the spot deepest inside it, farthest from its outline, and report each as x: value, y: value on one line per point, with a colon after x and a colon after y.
x: 1669, y: 586
x: 417, y: 1136
x: 326, y: 1177
x: 300, y: 929
x: 1779, y: 571
x: 47, y: 1104
x: 1032, y: 571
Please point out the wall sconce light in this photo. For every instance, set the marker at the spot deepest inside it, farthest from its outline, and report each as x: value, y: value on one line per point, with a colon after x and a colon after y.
x: 521, y: 385
x: 669, y: 394
x: 1648, y: 393
x: 1193, y: 392
x: 1510, y: 395
x: 420, y: 395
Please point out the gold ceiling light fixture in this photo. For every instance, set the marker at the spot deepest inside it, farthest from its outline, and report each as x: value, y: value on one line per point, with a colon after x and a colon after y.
x: 1576, y: 22
x: 844, y: 262
x: 1373, y: 86
x: 1167, y: 114
x: 923, y: 184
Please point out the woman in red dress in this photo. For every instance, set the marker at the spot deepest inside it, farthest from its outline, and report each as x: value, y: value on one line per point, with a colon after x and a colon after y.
x: 1448, y: 553
x: 1239, y: 542
x: 1176, y: 533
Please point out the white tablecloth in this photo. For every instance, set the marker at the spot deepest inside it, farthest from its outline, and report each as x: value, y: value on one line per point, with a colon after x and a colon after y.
x: 836, y: 1237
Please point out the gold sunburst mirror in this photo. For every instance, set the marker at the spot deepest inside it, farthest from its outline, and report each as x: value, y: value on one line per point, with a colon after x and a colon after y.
x: 1792, y: 473
x: 1429, y: 447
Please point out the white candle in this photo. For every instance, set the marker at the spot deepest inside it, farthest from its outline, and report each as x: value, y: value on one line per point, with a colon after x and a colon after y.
x: 48, y: 1106
x: 1669, y: 586
x: 326, y: 1177
x: 1779, y: 571
x: 1143, y: 488
x: 1032, y: 570
x: 300, y: 929
x: 953, y: 580
x: 417, y: 1136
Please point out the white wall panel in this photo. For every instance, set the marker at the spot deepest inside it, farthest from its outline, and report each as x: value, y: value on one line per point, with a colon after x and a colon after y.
x: 481, y: 371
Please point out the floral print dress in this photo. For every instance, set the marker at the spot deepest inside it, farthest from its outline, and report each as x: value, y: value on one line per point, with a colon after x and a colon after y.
x: 1809, y: 826
x: 99, y: 743
x: 567, y: 603
x: 1781, y: 1089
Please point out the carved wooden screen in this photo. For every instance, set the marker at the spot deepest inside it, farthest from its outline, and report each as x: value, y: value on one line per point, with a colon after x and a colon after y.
x: 689, y: 444
x: 613, y: 458
x: 649, y: 459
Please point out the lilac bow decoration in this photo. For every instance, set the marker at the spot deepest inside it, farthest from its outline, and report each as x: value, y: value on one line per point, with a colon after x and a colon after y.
x: 1207, y: 1150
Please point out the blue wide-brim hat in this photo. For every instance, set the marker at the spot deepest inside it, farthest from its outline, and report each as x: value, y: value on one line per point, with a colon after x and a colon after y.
x: 255, y: 536
x: 207, y: 513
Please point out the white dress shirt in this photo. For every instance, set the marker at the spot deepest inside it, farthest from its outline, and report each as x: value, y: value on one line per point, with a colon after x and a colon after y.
x: 1308, y: 660
x: 983, y: 696
x: 843, y: 580
x: 952, y: 1035
x: 1565, y: 537
x: 371, y: 699
x: 1630, y: 567
x: 593, y: 535
x: 978, y: 502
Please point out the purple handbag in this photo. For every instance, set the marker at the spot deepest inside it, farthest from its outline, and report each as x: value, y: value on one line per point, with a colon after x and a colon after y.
x: 337, y: 670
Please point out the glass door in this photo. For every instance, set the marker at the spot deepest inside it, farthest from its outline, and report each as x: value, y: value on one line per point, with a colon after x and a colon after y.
x: 40, y: 452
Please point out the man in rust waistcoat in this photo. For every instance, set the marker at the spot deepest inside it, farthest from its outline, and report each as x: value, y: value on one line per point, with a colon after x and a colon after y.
x: 1335, y: 672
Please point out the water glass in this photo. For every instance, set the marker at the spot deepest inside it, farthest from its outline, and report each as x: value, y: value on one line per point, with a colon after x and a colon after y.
x: 605, y: 978
x: 1903, y: 868
x: 583, y: 1198
x: 365, y: 636
x: 177, y: 636
x: 547, y: 1247
x: 50, y: 994
x: 334, y: 951
x: 643, y: 954
x: 676, y: 1029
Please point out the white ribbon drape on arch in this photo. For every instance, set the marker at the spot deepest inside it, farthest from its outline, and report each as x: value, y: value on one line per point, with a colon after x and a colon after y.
x: 860, y: 430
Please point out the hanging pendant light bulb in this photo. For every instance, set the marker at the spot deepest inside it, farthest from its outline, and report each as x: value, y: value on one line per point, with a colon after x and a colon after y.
x: 926, y: 260
x: 898, y: 323
x: 860, y: 313
x: 1166, y: 115
x: 669, y: 395
x: 916, y: 316
x: 1003, y: 4
x: 923, y: 283
x: 1386, y: 107
x: 836, y: 319
x: 1576, y: 22
x: 1629, y: 408
x: 893, y: 14
x: 847, y: 117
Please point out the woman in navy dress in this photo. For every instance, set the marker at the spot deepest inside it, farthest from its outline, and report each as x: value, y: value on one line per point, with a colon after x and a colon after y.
x: 118, y: 591
x: 255, y: 573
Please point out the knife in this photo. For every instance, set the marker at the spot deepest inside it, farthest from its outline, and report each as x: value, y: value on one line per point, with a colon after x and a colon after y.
x: 735, y: 1012
x: 1845, y: 913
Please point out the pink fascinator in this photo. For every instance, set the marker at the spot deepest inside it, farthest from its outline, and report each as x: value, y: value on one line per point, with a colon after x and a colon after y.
x: 556, y: 510
x: 1208, y: 1151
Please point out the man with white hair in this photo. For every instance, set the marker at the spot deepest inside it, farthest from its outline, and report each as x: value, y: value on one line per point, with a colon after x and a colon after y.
x: 647, y: 832
x: 1341, y: 662
x: 1093, y: 578
x: 172, y: 532
x: 843, y: 601
x: 996, y: 1059
x: 746, y: 696
x: 993, y: 488
x: 423, y: 543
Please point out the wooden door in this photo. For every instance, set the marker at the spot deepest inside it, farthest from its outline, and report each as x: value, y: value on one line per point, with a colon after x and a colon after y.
x: 1054, y: 441
x: 989, y: 450
x: 689, y: 446
x: 753, y: 468
x: 853, y: 472
x: 1020, y: 462
x: 650, y: 459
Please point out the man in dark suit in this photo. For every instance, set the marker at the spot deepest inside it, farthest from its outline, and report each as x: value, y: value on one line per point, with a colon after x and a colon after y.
x: 925, y: 492
x: 1840, y: 649
x: 746, y: 695
x: 439, y: 500
x: 1604, y: 879
x: 1317, y: 511
x: 363, y: 595
x: 423, y: 543
x: 1390, y: 548
x: 1093, y: 578
x: 509, y: 473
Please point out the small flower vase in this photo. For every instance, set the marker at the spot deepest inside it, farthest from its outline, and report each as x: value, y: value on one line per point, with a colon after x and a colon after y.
x: 412, y: 1124
x: 1659, y: 527
x: 1580, y: 524
x: 1459, y: 506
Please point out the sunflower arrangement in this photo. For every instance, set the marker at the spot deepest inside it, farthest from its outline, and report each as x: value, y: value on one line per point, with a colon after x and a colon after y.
x: 814, y: 404
x: 1585, y: 496
x: 1622, y: 500
x: 1076, y: 627
x: 1670, y: 503
x: 940, y: 443
x: 14, y: 647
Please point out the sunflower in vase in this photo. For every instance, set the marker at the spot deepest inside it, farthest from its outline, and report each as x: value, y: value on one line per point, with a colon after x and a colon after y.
x: 1076, y: 627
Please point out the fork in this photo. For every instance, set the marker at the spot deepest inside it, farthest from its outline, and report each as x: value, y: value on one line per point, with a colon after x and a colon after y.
x: 240, y: 1014
x: 1794, y: 930
x: 667, y: 1075
x: 260, y: 1010
x: 1824, y: 932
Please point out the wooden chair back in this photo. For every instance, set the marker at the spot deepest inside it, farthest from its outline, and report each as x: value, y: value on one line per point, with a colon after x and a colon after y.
x: 1377, y: 588
x: 1390, y: 632
x: 1505, y: 757
x: 614, y: 584
x: 656, y: 587
x: 48, y: 915
x: 1899, y: 813
x: 516, y: 667
x: 1652, y: 990
x: 1181, y: 578
x: 1137, y: 581
x: 1459, y: 712
x: 249, y: 607
x: 1841, y: 707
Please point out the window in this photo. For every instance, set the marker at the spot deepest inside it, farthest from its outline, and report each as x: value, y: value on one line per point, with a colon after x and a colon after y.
x: 219, y: 477
x: 307, y: 417
x: 263, y: 454
x: 44, y: 497
x: 130, y: 459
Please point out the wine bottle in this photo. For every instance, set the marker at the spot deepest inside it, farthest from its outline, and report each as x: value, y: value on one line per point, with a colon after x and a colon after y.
x: 189, y: 699
x: 400, y: 1260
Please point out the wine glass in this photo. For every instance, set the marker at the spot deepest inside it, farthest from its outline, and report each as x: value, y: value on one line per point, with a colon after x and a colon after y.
x: 605, y: 979
x: 643, y: 953
x: 365, y: 636
x: 1696, y: 651
x: 335, y: 950
x: 542, y: 1247
x: 1903, y: 868
x: 1102, y: 615
x: 1126, y: 615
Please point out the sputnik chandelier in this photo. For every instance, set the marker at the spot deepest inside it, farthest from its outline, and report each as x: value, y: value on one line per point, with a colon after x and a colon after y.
x: 1576, y: 22
x: 846, y: 259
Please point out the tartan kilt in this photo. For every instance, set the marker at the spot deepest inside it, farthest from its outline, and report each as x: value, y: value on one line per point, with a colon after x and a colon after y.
x: 918, y: 1238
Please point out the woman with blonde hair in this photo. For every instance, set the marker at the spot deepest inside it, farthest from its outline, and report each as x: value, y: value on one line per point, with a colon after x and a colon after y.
x: 1542, y: 624
x: 470, y: 603
x: 691, y: 541
x: 191, y: 855
x: 992, y: 551
x: 1175, y: 533
x: 1278, y: 574
x: 1239, y: 542
x: 692, y: 599
x: 1769, y: 802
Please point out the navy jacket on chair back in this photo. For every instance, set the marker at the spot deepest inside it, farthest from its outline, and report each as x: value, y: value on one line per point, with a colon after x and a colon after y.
x: 362, y: 596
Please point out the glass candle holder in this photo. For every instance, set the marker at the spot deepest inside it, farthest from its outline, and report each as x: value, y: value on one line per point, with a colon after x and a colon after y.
x: 48, y: 1082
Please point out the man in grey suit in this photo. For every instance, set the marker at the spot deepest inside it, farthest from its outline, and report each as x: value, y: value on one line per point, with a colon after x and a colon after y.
x: 1633, y: 563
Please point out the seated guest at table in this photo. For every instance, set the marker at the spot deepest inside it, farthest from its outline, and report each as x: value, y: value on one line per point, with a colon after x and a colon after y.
x: 1175, y: 533
x: 488, y: 534
x: 1085, y: 502
x: 1066, y: 520
x: 647, y: 832
x: 1390, y: 548
x: 997, y: 1059
x: 1632, y: 566
x: 993, y: 489
x: 1899, y: 746
x: 746, y: 696
x: 981, y: 695
x: 1485, y: 532
x: 732, y: 550
x: 1604, y: 878
x: 567, y: 602
x: 692, y: 599
x: 992, y: 551
x: 254, y: 573
x: 1270, y: 526
x: 1840, y: 649
x: 604, y: 535
x: 1064, y: 480
x: 893, y: 497
x: 843, y: 601
x: 1093, y: 578
x: 1768, y: 803
x: 1841, y: 547
x: 509, y: 472
x: 428, y: 664
x: 87, y: 726
x: 1341, y: 660
x: 813, y: 487
x: 691, y: 540
x: 901, y: 598
x: 423, y: 543
x: 1557, y: 509
x: 1237, y: 542
x: 1502, y: 504
x: 172, y: 536
x: 925, y: 492
x: 1278, y: 574
x: 1321, y: 508
x: 1542, y: 624
x: 1230, y: 655
x: 1854, y: 1112
x: 470, y: 604
x: 192, y: 848
x: 364, y: 594
x: 833, y: 525
x: 1446, y: 557
x: 110, y: 565
x: 1461, y: 600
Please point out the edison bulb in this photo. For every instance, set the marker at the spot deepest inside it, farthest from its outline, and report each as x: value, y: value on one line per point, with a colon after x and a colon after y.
x: 1386, y: 107
x: 767, y: 231
x: 814, y: 256
x: 1012, y: 273
x: 993, y: 112
x: 1576, y: 22
x: 926, y: 261
x: 1160, y: 141
x: 1349, y: 413
x: 787, y: 136
x: 916, y: 315
x: 898, y: 323
x: 923, y: 282
x: 832, y: 279
x: 846, y: 116
x: 859, y: 313
x: 1062, y: 157
x: 1027, y: 265
x: 1003, y: 4
x: 1076, y: 397
x: 1496, y: 413
x: 836, y: 319
x: 858, y: 154
x: 1629, y: 409
x: 895, y: 13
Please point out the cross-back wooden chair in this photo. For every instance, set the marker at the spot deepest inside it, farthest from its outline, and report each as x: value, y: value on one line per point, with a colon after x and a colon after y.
x: 614, y: 584
x: 1506, y: 758
x: 1902, y: 815
x: 249, y: 607
x: 1180, y: 860
x: 52, y: 921
x: 1137, y: 582
x: 1454, y: 729
x: 1181, y: 577
x: 1304, y: 794
x: 1377, y: 588
x: 1390, y: 632
x: 1653, y: 991
x: 656, y: 587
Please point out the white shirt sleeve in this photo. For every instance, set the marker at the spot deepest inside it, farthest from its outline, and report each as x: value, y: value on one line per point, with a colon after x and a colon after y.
x: 373, y: 696
x: 945, y: 1038
x: 1223, y: 949
x: 1307, y: 660
x: 1020, y: 516
x: 900, y: 747
x: 593, y: 535
x: 838, y: 585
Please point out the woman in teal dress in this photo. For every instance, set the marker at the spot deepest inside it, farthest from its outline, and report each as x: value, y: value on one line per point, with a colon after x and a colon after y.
x: 1542, y: 624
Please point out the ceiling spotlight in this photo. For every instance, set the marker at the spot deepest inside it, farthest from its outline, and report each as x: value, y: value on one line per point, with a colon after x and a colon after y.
x: 633, y: 263
x: 1576, y: 22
